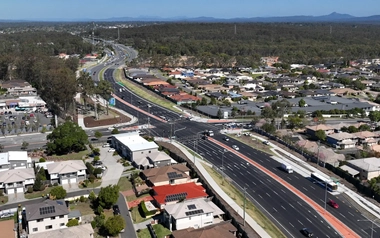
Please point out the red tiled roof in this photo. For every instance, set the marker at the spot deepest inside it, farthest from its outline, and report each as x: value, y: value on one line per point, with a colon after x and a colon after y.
x: 184, y: 97
x: 193, y: 191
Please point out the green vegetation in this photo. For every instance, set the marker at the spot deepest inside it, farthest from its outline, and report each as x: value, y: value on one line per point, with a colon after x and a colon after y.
x: 66, y: 138
x: 160, y: 230
x: 114, y: 225
x: 38, y: 194
x: 145, y: 210
x: 72, y: 222
x: 124, y: 184
x: 134, y: 197
x: 108, y: 196
x: 73, y: 156
x: 136, y: 216
x: 3, y: 199
x: 57, y: 193
x: 236, y: 195
x: 145, y: 93
x: 95, y: 184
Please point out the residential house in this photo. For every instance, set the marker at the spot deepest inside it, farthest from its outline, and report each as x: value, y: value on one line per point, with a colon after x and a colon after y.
x: 217, y: 95
x: 342, y: 140
x: 16, y: 180
x: 46, y: 216
x: 184, y: 98
x: 368, y: 168
x: 80, y: 231
x: 249, y: 96
x: 366, y: 138
x: 155, y: 159
x: 134, y: 147
x: 170, y: 194
x: 223, y: 229
x: 172, y: 174
x: 269, y: 61
x: 65, y: 172
x: 310, y: 130
x: 15, y: 160
x: 195, y: 213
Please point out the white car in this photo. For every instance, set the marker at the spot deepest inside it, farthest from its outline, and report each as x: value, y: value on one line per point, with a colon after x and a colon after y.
x: 111, y: 150
x: 106, y: 145
x: 235, y: 147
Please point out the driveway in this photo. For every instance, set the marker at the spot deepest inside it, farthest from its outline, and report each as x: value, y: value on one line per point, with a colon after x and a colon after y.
x: 114, y: 169
x: 16, y: 197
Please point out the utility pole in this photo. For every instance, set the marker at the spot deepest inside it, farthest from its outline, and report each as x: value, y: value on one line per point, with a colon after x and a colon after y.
x: 318, y: 153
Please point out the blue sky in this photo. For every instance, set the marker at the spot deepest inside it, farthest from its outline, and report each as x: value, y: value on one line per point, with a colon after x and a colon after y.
x: 101, y: 9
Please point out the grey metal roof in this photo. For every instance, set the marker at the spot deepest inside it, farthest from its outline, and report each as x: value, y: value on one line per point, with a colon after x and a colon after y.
x: 33, y: 211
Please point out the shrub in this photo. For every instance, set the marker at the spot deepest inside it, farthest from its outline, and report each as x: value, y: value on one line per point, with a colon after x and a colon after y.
x: 50, y: 185
x: 55, y: 184
x: 115, y: 131
x: 82, y: 199
x: 99, y: 210
x: 93, y: 224
x: 30, y: 189
x: 96, y: 158
x: 42, y: 160
x: 1, y: 193
x: 72, y: 222
x: 115, y: 153
x: 91, y: 178
x: 145, y: 210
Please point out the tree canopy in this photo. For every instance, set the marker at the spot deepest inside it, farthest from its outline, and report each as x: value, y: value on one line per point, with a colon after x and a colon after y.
x: 58, y: 192
x: 114, y: 225
x: 66, y: 138
x: 108, y: 196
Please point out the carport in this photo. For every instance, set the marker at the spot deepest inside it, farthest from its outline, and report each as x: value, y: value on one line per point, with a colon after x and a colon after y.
x: 353, y: 172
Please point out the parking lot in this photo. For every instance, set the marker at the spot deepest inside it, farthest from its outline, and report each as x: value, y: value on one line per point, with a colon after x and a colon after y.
x: 18, y: 122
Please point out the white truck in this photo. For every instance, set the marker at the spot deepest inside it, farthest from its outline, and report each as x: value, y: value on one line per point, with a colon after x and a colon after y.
x: 287, y: 168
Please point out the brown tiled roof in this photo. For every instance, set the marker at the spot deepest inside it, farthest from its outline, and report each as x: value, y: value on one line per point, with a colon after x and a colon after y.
x: 160, y: 174
x: 223, y: 229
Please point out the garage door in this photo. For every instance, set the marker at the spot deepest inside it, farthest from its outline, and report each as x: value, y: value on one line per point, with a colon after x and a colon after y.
x: 20, y: 190
x: 73, y: 180
x: 11, y: 191
x: 65, y: 181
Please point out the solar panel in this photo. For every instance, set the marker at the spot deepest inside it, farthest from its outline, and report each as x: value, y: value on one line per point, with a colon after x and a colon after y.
x: 173, y: 175
x: 175, y: 197
x: 191, y: 207
x: 47, y: 210
x: 195, y: 212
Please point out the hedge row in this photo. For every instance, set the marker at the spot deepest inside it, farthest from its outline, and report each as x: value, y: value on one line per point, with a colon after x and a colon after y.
x: 146, y: 212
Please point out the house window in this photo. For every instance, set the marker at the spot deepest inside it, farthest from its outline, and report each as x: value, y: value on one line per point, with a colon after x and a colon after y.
x: 52, y: 218
x: 62, y: 224
x: 150, y: 152
x: 61, y: 216
x: 208, y: 214
x: 22, y: 164
x: 48, y: 227
x: 35, y: 229
x: 40, y: 220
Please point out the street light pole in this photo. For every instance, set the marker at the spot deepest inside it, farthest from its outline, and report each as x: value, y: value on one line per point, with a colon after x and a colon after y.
x: 373, y: 222
x: 245, y: 190
x: 318, y: 154
x: 325, y: 194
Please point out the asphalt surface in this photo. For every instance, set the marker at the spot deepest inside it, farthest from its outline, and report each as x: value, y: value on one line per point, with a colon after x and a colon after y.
x: 282, y: 204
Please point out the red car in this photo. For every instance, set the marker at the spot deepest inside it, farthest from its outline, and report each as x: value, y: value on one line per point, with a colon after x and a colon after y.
x: 333, y: 204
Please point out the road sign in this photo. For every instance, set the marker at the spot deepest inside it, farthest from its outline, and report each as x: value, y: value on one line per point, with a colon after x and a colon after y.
x: 112, y: 101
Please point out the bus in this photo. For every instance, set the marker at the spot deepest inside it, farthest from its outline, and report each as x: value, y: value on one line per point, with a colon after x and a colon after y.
x: 331, y: 186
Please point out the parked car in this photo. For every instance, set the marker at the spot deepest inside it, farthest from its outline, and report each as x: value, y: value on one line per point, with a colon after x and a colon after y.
x: 5, y: 215
x: 266, y: 142
x: 111, y: 150
x: 106, y: 145
x: 116, y: 210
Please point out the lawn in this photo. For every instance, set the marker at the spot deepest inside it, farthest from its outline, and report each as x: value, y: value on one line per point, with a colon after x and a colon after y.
x: 145, y: 93
x: 160, y: 230
x: 73, y: 156
x: 136, y: 216
x: 83, y: 207
x: 124, y: 184
x: 3, y: 199
x: 38, y: 194
x: 238, y: 197
x: 91, y: 185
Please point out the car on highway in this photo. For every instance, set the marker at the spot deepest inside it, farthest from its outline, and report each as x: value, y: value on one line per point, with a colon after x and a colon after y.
x: 226, y: 138
x: 307, y: 232
x: 111, y: 150
x: 116, y: 210
x: 235, y: 147
x: 266, y: 142
x: 333, y: 204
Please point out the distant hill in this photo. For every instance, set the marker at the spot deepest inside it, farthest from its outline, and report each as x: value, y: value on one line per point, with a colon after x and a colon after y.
x: 333, y: 17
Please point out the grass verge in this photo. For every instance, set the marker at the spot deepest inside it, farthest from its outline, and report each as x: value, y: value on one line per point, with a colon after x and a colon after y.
x: 3, y: 199
x: 238, y: 197
x: 160, y: 230
x: 38, y: 194
x: 101, y: 72
x: 91, y: 185
x: 253, y: 142
x: 133, y: 197
x: 136, y: 216
x: 83, y: 207
x: 73, y: 156
x: 124, y: 184
x: 145, y: 93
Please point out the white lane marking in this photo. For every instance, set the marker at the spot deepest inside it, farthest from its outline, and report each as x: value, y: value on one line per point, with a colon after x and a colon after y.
x: 260, y: 196
x: 299, y: 203
x: 312, y: 187
x: 267, y: 194
x: 283, y: 191
x: 305, y: 188
x: 275, y: 209
x: 351, y: 214
x: 291, y: 224
x: 291, y: 205
x: 299, y: 222
x: 275, y: 192
x: 342, y: 215
x: 283, y: 207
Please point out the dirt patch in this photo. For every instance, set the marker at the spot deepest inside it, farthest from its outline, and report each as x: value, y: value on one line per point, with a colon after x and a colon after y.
x: 135, y: 203
x: 113, y: 118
